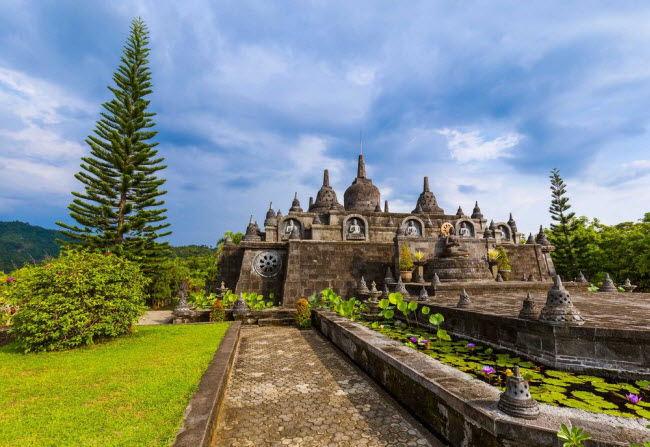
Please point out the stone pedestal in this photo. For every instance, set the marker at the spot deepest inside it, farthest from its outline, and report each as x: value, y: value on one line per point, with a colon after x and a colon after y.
x: 419, y: 272
x: 458, y: 269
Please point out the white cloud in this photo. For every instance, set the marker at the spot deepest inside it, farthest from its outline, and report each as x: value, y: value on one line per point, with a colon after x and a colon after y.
x: 471, y: 146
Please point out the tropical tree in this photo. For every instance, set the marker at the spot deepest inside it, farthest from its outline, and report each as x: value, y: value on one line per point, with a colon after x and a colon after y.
x: 120, y: 209
x: 562, y: 233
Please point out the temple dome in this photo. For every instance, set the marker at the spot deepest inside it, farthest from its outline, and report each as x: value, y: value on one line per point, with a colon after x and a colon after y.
x: 427, y: 202
x: 362, y: 195
x: 326, y: 198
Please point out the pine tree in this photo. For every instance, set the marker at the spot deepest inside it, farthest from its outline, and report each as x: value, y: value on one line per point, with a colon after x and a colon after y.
x: 120, y: 210
x: 563, y: 232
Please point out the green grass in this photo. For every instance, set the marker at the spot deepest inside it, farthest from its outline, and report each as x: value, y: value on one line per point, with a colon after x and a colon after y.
x: 131, y: 391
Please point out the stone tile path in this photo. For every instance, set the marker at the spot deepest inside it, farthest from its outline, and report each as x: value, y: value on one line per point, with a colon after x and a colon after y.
x: 155, y: 317
x: 291, y: 387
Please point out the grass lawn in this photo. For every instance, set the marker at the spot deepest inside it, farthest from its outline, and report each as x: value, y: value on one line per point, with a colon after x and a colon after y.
x: 130, y: 391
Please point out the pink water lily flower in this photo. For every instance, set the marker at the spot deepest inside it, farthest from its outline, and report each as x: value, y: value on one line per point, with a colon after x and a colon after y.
x: 414, y: 340
x: 633, y: 398
x: 488, y: 370
x: 470, y: 345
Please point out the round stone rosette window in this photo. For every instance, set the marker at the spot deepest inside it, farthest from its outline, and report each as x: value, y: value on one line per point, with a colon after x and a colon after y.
x: 267, y: 263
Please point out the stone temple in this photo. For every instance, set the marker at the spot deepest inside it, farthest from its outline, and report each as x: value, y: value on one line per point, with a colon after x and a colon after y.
x: 334, y: 245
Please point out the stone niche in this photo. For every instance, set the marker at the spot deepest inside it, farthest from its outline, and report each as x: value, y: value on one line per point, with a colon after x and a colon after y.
x: 355, y: 228
x: 413, y: 227
x: 286, y: 227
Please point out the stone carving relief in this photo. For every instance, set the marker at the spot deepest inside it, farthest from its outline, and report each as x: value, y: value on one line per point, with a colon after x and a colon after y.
x: 355, y: 230
x: 446, y: 229
x: 465, y: 229
x: 267, y: 263
x: 289, y: 226
x: 412, y: 228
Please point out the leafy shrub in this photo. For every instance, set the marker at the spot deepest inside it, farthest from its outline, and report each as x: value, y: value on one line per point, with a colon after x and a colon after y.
x: 303, y: 313
x: 201, y: 300
x: 502, y: 259
x: 573, y: 437
x: 218, y: 312
x: 493, y: 256
x: 76, y: 299
x: 405, y: 259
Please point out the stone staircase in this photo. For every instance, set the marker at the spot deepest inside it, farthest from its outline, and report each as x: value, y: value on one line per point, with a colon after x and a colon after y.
x: 279, y: 317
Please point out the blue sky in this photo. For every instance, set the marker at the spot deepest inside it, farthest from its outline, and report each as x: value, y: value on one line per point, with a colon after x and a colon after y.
x: 254, y: 99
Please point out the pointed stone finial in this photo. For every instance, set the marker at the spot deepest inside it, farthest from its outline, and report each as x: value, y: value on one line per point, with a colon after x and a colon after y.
x: 476, y: 214
x: 528, y: 310
x: 608, y: 285
x: 423, y: 296
x: 464, y: 301
x: 580, y: 277
x: 362, y: 288
x: 251, y: 219
x: 317, y: 220
x: 270, y: 220
x: 628, y: 286
x: 385, y: 293
x: 436, y: 280
x: 541, y: 238
x: 492, y: 226
x: 252, y: 231
x: 361, y: 168
x: 278, y: 215
x: 559, y: 309
x: 530, y: 240
x: 428, y: 223
x: 295, y: 205
x: 311, y: 201
x: 374, y: 293
x: 378, y: 209
x: 223, y: 284
x: 460, y: 212
x: 386, y: 206
x: 516, y: 401
x: 425, y: 187
x: 499, y: 278
x: 229, y: 240
x: 388, y: 278
x: 326, y: 177
x: 401, y: 288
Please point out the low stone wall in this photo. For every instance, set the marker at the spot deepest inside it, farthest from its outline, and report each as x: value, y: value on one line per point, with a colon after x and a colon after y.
x: 617, y: 353
x: 461, y: 409
x: 202, y: 413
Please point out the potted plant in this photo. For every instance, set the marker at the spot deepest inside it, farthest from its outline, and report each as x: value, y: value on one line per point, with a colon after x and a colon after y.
x: 503, y: 263
x: 493, y: 261
x: 405, y: 264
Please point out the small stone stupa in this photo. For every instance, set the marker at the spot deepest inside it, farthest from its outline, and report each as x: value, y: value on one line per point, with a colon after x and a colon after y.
x: 608, y: 285
x: 628, y: 286
x: 436, y: 280
x: 516, y: 400
x: 559, y: 309
x: 423, y: 296
x: 463, y: 302
x: 528, y: 310
x: 389, y: 279
x: 362, y: 288
x: 580, y: 277
x: 401, y: 288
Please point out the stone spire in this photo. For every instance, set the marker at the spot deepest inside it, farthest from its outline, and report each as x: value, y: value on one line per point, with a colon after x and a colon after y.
x: 388, y: 278
x: 530, y: 240
x: 270, y: 217
x: 516, y: 400
x: 559, y: 309
x: 386, y: 206
x: 326, y: 197
x: 378, y: 208
x: 427, y: 202
x: 278, y: 216
x: 541, y: 238
x: 460, y: 212
x: 295, y: 205
x: 362, y: 195
x: 476, y: 214
x: 252, y: 231
x: 487, y: 233
x: 608, y: 285
x: 512, y: 224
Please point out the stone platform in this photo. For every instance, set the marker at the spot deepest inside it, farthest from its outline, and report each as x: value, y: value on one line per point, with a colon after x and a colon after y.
x: 294, y: 388
x: 614, y: 340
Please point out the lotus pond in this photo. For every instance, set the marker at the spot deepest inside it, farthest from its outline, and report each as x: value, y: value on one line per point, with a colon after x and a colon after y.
x: 548, y: 386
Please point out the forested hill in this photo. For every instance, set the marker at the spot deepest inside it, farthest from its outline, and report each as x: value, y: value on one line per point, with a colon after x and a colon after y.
x: 21, y: 242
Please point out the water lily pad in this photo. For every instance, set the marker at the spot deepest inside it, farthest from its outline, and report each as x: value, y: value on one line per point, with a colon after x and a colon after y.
x: 594, y: 400
x: 556, y: 382
x: 575, y: 403
x: 557, y: 389
x: 643, y: 413
x: 565, y: 376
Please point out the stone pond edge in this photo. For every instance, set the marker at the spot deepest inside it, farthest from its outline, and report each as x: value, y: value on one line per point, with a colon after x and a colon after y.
x: 467, y: 416
x: 202, y: 413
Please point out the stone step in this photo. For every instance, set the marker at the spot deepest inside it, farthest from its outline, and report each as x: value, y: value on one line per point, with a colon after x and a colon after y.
x: 276, y: 321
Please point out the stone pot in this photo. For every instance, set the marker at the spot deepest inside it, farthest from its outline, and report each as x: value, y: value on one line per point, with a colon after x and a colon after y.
x: 494, y: 268
x: 407, y: 275
x: 505, y: 274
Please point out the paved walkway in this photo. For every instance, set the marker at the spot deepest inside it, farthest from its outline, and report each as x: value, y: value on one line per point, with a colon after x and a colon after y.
x: 155, y: 317
x: 291, y: 387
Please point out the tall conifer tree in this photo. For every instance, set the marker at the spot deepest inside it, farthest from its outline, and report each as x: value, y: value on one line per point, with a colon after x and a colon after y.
x: 563, y: 232
x: 120, y: 210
